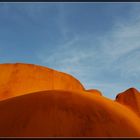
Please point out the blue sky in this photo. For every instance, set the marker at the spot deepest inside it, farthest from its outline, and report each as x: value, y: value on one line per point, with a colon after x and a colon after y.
x: 98, y: 43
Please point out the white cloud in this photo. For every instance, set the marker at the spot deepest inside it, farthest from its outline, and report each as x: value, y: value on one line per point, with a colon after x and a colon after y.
x: 89, y: 59
x: 122, y: 48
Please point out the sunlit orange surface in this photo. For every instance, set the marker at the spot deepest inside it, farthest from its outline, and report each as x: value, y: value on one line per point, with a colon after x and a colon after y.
x: 36, y: 101
x: 18, y: 79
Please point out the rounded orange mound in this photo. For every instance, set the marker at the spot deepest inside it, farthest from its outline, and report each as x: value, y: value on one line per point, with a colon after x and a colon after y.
x: 17, y: 79
x: 94, y: 91
x: 130, y: 98
x: 58, y: 113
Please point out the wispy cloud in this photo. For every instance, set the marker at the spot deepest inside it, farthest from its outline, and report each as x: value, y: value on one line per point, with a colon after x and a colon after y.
x: 61, y: 37
x: 122, y: 47
x: 109, y: 62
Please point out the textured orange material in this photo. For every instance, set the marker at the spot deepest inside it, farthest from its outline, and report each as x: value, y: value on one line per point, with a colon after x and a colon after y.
x: 36, y: 101
x: 94, y: 91
x: 131, y: 99
x: 18, y: 79
x: 66, y: 114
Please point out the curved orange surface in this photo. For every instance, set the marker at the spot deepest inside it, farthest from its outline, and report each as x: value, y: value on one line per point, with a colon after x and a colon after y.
x: 131, y: 99
x: 17, y: 79
x: 94, y: 91
x: 36, y: 101
x: 58, y: 113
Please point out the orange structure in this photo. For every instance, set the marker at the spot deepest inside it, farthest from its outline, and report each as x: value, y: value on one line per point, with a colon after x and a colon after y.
x: 17, y: 79
x: 94, y: 91
x: 41, y: 102
x: 131, y: 99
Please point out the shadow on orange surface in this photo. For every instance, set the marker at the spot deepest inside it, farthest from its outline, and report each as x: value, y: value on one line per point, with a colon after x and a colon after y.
x: 40, y: 102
